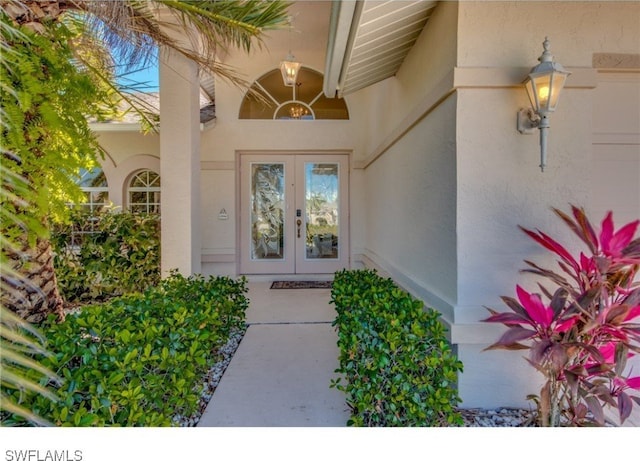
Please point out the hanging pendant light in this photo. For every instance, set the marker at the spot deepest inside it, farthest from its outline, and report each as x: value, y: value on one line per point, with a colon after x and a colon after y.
x: 289, y: 67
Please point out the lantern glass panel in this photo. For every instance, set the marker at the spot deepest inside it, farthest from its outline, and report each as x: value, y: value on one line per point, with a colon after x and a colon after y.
x: 528, y: 84
x: 557, y: 82
x: 542, y: 86
x: 289, y: 72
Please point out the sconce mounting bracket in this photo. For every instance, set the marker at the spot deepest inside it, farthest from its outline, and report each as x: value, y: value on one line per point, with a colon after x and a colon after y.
x: 528, y: 121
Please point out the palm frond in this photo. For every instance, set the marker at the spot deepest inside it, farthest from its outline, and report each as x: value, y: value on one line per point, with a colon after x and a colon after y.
x: 11, y: 407
x: 132, y: 29
x: 20, y: 342
x: 230, y: 23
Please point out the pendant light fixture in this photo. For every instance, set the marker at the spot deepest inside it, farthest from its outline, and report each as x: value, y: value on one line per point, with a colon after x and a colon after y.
x: 289, y: 66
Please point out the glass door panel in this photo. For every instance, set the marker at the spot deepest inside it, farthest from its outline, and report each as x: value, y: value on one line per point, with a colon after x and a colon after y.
x: 322, y: 210
x: 267, y: 211
x: 322, y: 198
x: 266, y: 214
x: 293, y: 213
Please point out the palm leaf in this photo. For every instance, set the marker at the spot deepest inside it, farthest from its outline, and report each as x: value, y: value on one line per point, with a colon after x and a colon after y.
x: 16, y: 409
x: 133, y: 29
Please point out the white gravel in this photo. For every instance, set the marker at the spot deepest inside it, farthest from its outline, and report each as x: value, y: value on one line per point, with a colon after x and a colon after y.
x: 499, y: 417
x: 212, y: 379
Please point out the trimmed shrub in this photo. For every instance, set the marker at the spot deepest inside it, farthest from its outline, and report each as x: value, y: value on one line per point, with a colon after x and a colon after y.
x: 108, y: 254
x: 139, y: 360
x: 398, y: 366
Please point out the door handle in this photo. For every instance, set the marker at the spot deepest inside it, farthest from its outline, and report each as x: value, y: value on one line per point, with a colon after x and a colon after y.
x: 299, y: 223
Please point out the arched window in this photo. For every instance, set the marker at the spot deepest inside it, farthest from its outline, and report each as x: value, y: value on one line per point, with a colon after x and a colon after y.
x: 144, y: 192
x: 269, y: 99
x: 94, y: 185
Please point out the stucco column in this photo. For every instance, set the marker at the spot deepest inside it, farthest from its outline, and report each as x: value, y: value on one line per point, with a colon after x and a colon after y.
x: 179, y: 164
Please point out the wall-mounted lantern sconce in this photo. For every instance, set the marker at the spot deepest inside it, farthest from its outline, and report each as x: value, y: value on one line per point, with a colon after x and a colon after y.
x: 544, y: 84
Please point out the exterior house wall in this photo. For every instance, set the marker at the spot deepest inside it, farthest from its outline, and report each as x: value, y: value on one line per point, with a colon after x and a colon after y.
x: 499, y: 184
x: 126, y: 154
x: 616, y: 144
x: 222, y: 144
x: 411, y: 221
x: 410, y: 165
x: 440, y: 178
x: 464, y: 250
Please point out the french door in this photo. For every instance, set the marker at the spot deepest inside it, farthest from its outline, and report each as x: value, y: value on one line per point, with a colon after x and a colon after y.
x: 294, y: 213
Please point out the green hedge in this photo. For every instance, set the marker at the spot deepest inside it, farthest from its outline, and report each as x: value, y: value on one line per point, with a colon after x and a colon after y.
x: 104, y: 255
x: 398, y: 366
x: 138, y: 360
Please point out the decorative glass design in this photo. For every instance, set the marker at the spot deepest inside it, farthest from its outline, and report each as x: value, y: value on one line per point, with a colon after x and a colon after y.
x: 269, y: 98
x: 267, y: 211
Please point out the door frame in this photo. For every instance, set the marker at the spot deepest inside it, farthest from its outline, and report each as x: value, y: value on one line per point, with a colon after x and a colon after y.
x: 267, y: 154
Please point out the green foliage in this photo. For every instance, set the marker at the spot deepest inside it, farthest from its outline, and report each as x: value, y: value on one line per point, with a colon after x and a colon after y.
x: 46, y: 101
x: 398, y: 365
x: 20, y: 343
x: 107, y: 254
x: 138, y: 360
x: 51, y: 83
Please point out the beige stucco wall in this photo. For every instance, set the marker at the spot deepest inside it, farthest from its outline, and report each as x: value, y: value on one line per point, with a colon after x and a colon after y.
x: 410, y: 165
x: 411, y: 195
x: 499, y: 184
x: 126, y: 153
x: 388, y: 103
x: 616, y: 145
x: 510, y: 33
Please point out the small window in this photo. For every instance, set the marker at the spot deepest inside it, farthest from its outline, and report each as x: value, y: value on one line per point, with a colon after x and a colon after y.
x: 96, y: 190
x: 269, y: 99
x: 93, y: 184
x: 144, y: 192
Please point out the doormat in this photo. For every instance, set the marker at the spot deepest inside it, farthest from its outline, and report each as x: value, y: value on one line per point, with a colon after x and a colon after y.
x: 286, y: 284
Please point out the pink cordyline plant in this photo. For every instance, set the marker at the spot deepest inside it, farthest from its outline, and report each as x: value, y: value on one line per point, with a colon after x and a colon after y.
x: 580, y: 334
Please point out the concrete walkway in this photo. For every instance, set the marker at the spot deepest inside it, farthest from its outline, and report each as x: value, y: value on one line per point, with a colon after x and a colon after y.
x: 281, y: 372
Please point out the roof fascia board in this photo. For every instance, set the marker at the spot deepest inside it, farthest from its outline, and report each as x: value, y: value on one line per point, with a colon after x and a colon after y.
x: 340, y: 35
x: 137, y: 128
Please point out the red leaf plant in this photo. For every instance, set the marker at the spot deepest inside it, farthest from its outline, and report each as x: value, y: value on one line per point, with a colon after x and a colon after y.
x: 580, y: 334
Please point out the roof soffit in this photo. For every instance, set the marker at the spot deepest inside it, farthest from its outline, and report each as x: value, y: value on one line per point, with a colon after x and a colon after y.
x: 369, y: 40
